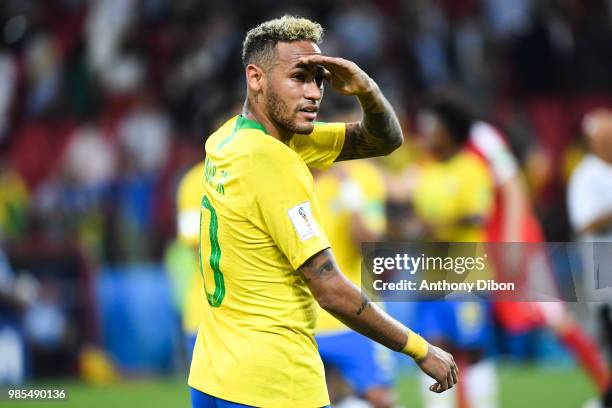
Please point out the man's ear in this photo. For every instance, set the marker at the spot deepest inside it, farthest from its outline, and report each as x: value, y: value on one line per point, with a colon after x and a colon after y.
x: 255, y: 77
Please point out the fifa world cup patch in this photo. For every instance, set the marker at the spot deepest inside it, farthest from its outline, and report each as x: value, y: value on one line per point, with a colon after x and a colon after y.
x: 304, y: 224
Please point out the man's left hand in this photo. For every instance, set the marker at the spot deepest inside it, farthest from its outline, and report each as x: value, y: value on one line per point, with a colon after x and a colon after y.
x: 344, y: 76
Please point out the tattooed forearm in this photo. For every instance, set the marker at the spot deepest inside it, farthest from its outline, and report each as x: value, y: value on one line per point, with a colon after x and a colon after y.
x: 345, y: 301
x: 365, y: 303
x: 378, y: 133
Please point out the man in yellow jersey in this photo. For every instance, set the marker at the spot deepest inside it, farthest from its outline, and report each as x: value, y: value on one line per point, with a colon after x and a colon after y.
x: 352, y: 200
x: 453, y: 198
x: 189, y: 196
x: 264, y: 256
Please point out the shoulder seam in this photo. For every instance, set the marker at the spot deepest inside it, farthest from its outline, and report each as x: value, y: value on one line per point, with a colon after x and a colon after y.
x: 229, y: 138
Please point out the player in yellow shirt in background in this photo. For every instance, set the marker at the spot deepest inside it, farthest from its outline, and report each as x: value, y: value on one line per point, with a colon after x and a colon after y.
x: 352, y: 200
x: 188, y: 199
x: 264, y: 256
x: 452, y: 200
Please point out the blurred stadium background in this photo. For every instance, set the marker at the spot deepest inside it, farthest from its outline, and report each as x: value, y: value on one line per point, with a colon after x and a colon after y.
x: 104, y: 105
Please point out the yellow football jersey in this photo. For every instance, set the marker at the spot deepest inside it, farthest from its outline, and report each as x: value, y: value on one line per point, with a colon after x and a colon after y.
x: 453, y: 190
x: 188, y: 201
x: 14, y: 201
x: 260, y: 222
x: 337, y: 217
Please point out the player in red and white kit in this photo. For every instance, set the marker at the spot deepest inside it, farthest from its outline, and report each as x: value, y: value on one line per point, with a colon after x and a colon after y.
x: 513, y: 220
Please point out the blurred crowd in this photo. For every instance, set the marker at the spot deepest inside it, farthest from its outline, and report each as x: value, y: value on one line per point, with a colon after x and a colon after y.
x: 105, y: 103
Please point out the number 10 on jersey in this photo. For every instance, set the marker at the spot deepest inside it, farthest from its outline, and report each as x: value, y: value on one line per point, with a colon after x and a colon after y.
x: 213, y: 251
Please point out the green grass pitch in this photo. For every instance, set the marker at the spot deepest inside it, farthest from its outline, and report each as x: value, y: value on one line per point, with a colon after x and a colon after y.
x: 520, y: 387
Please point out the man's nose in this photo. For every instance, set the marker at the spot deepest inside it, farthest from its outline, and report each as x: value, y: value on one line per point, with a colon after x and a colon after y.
x: 312, y: 91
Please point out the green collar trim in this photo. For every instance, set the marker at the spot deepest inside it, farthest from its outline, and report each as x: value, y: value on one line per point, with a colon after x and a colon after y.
x: 245, y: 123
x: 241, y: 123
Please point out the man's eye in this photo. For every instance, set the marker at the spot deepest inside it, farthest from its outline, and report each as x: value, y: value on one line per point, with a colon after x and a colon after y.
x: 319, y: 80
x: 299, y: 77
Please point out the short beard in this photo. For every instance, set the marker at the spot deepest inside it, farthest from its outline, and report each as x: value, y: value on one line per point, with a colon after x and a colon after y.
x: 279, y: 112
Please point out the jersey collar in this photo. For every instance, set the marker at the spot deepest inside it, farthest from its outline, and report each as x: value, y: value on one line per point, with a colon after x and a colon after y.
x: 246, y: 123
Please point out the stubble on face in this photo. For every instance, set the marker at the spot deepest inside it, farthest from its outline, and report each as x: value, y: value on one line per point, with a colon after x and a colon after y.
x: 285, y: 116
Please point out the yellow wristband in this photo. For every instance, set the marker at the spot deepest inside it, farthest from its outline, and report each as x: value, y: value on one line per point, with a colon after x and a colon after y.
x: 416, y: 347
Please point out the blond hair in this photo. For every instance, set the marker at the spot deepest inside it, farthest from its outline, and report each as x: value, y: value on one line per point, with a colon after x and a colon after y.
x: 259, y: 43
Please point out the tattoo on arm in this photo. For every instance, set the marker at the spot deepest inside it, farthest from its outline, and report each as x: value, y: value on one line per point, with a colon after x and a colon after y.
x: 328, y: 266
x: 365, y: 303
x: 318, y: 265
x: 336, y: 294
x: 378, y: 133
